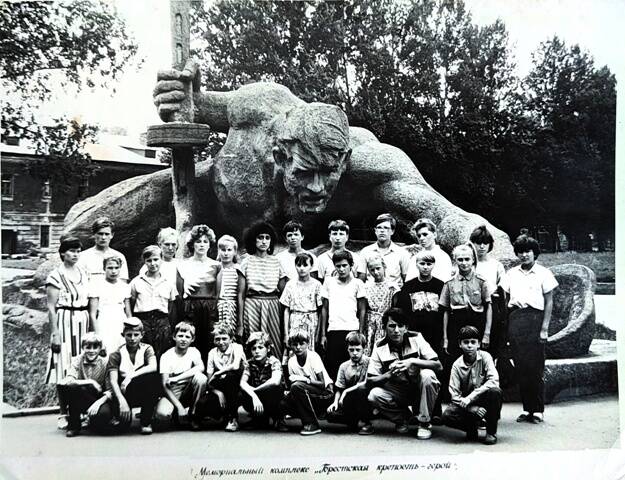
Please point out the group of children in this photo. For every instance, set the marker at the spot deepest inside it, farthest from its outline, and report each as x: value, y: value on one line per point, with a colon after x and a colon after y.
x: 304, y: 321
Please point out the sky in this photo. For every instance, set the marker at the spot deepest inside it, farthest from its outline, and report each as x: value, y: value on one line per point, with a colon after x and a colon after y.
x: 595, y: 25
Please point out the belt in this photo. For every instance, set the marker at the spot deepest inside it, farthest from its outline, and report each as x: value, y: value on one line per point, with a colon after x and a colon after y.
x: 254, y: 293
x: 73, y: 309
x: 302, y: 311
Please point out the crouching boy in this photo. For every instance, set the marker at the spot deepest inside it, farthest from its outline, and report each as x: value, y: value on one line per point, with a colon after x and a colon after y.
x: 474, y: 389
x: 81, y: 391
x: 182, y: 378
x: 350, y: 398
x: 261, y: 382
x: 133, y: 378
x: 401, y: 374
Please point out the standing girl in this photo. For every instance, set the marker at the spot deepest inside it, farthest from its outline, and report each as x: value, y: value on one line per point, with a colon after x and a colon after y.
x: 232, y: 291
x: 302, y: 300
x: 109, y: 304
x: 196, y: 283
x: 379, y: 293
x: 67, y: 297
x: 263, y: 274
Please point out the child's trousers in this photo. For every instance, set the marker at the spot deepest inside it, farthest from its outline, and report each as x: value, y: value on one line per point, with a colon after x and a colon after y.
x: 355, y: 407
x: 336, y: 351
x: 156, y: 330
x: 229, y: 385
x: 307, y: 402
x: 77, y: 399
x: 457, y: 417
x: 270, y: 397
x: 189, y: 396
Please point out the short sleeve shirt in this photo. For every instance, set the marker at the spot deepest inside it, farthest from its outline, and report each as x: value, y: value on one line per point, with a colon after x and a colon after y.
x: 262, y: 274
x: 115, y: 360
x: 256, y: 373
x: 465, y: 292
x: 81, y: 369
x: 152, y: 293
x: 218, y: 359
x: 311, y: 368
x: 92, y: 260
x: 172, y: 364
x: 443, y: 268
x: 528, y: 288
x: 287, y: 262
x: 396, y: 259
x: 419, y: 300
x: 351, y: 373
x: 325, y: 265
x: 302, y: 297
x: 343, y: 302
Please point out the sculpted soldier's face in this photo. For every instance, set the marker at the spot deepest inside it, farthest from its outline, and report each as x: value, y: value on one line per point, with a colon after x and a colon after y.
x: 312, y: 182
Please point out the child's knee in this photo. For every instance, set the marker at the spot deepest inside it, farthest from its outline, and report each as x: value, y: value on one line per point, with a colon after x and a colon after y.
x: 199, y: 379
x: 375, y: 395
x: 428, y: 377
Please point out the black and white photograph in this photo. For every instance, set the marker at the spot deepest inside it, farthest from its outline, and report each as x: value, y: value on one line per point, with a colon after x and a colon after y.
x: 312, y: 239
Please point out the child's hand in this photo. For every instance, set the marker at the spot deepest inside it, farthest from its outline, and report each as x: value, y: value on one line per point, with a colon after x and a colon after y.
x: 97, y: 386
x: 125, y: 383
x: 298, y: 378
x: 323, y: 343
x: 125, y: 414
x: 221, y: 398
x: 333, y: 407
x: 445, y: 345
x: 93, y: 410
x: 479, y: 412
x: 182, y: 413
x: 341, y: 399
x: 544, y: 334
x: 465, y: 402
x: 257, y: 404
x: 485, y: 341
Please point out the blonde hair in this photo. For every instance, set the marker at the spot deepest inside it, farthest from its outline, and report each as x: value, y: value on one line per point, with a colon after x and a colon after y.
x: 464, y: 248
x: 223, y: 241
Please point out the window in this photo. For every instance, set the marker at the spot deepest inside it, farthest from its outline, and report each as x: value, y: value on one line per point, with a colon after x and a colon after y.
x: 7, y: 186
x: 44, y: 235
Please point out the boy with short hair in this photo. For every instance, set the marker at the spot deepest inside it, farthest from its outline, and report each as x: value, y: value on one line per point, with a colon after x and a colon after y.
x: 294, y: 235
x: 133, y: 378
x: 311, y: 386
x: 424, y: 231
x: 474, y: 389
x: 182, y: 377
x: 151, y: 294
x: 338, y: 232
x: 223, y: 370
x: 350, y: 398
x: 343, y: 310
x: 91, y: 260
x: 261, y: 382
x: 82, y: 389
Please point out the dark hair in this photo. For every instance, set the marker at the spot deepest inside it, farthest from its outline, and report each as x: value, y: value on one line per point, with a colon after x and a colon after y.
x: 303, y: 258
x: 386, y: 217
x: 343, y: 255
x: 68, y: 242
x: 397, y: 314
x: 424, y: 222
x: 468, y: 332
x: 291, y: 226
x: 298, y: 336
x: 102, y: 222
x: 482, y: 235
x: 355, y: 338
x: 196, y: 233
x: 151, y: 250
x: 254, y: 231
x: 525, y: 243
x: 340, y: 225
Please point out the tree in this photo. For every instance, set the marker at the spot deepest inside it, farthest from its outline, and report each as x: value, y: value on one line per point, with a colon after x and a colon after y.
x: 52, y: 46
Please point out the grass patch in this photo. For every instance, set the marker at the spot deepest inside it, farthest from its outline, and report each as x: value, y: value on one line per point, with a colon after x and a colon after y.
x: 602, y: 263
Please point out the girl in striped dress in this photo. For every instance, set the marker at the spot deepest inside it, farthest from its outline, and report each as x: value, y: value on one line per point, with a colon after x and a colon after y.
x: 232, y: 290
x: 67, y: 289
x: 196, y: 282
x: 264, y: 281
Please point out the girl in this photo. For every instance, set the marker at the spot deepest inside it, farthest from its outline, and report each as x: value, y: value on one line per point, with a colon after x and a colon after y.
x: 379, y: 293
x: 264, y: 277
x: 110, y: 298
x: 67, y: 296
x: 492, y: 271
x: 196, y: 282
x: 232, y: 281
x: 302, y: 300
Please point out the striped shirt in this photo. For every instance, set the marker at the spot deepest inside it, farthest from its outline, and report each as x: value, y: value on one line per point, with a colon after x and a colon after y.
x: 262, y: 273
x: 229, y: 283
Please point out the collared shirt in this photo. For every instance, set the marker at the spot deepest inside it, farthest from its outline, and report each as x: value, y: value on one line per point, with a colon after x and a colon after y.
x: 256, y: 373
x: 92, y: 260
x: 325, y: 265
x: 413, y: 346
x: 472, y: 380
x: 528, y: 288
x: 396, y: 259
x: 217, y: 359
x: 312, y: 368
x: 287, y: 262
x: 351, y: 373
x: 152, y: 293
x: 169, y: 270
x: 82, y: 369
x: 492, y: 271
x: 443, y: 269
x: 462, y: 292
x: 121, y: 361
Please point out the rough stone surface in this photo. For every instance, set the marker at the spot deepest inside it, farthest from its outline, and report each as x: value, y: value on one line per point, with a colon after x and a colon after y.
x: 20, y: 317
x: 572, y: 324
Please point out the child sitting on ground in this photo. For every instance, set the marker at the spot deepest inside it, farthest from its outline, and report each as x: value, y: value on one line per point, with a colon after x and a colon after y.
x: 311, y: 386
x: 182, y: 377
x: 350, y: 398
x: 474, y: 389
x: 261, y: 382
x: 223, y: 370
x: 82, y: 389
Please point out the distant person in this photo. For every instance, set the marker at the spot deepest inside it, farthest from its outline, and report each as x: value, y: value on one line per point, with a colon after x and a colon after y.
x: 424, y: 231
x: 103, y: 230
x: 530, y: 289
x: 294, y: 235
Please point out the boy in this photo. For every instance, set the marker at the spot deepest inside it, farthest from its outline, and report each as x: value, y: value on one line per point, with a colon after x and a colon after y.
x: 151, y: 294
x: 182, y: 377
x: 529, y: 287
x: 396, y: 258
x: 311, y: 386
x: 424, y: 231
x: 261, y: 382
x: 350, y: 398
x: 342, y: 311
x: 401, y: 373
x: 81, y: 391
x: 167, y: 241
x: 294, y: 237
x: 338, y: 232
x: 223, y: 370
x: 92, y: 259
x: 133, y: 378
x: 474, y: 389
